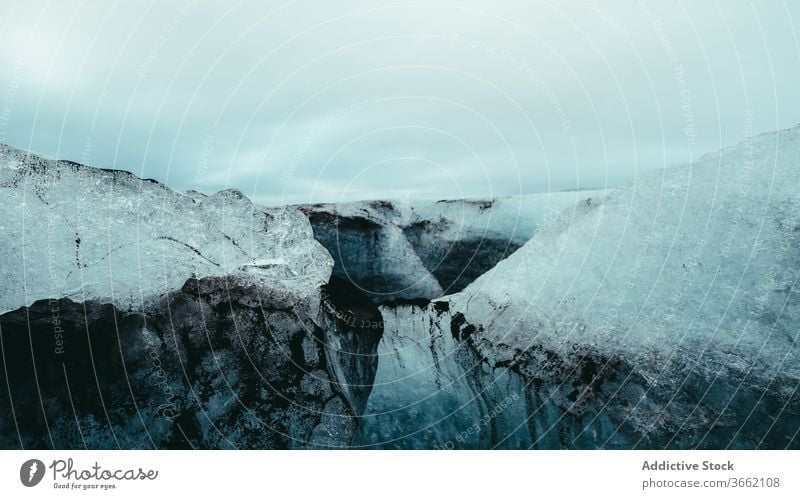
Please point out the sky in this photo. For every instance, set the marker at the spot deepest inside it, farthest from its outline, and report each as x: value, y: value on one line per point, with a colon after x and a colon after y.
x: 319, y: 101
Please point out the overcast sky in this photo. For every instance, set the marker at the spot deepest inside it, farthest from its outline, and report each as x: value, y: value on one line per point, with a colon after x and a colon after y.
x: 304, y: 101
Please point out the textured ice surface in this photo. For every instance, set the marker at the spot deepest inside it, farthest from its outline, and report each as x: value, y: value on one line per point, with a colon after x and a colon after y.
x: 697, y: 262
x: 84, y: 233
x: 146, y: 318
x: 514, y: 218
x: 665, y: 315
x: 424, y: 249
x: 433, y: 392
x: 661, y: 315
x: 373, y: 254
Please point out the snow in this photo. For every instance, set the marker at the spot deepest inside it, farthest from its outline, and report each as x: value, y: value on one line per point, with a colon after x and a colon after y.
x: 694, y: 265
x: 92, y: 234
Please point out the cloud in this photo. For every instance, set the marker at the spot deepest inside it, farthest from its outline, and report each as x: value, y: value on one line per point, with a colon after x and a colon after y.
x: 309, y: 101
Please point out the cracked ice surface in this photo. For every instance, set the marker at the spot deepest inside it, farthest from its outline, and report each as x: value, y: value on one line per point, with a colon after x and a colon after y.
x: 92, y: 234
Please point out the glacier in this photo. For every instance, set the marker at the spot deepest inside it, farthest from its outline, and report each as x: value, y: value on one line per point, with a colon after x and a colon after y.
x: 106, y: 234
x: 134, y: 316
x: 402, y: 250
x: 662, y: 314
x: 432, y: 391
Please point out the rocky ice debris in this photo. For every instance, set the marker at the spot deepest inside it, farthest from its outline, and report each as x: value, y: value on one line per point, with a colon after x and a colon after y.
x: 137, y: 317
